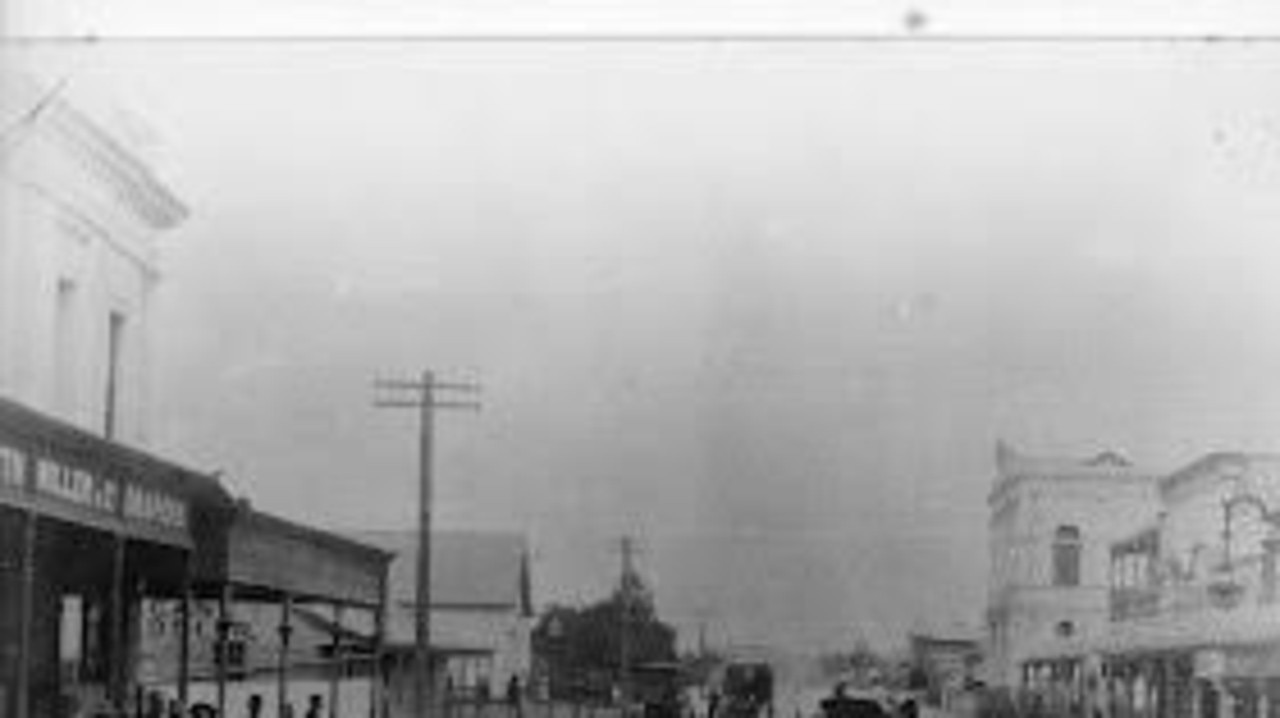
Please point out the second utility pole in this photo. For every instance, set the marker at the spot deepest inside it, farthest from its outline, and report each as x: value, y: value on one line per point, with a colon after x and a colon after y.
x: 423, y: 398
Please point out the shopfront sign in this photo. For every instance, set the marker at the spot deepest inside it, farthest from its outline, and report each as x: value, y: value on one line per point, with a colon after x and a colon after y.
x: 77, y: 486
x: 154, y: 507
x: 126, y: 499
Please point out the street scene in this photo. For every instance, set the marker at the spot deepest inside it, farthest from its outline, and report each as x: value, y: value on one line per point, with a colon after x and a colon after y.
x: 358, y: 371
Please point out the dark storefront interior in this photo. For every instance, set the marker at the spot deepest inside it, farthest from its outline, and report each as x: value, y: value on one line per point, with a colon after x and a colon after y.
x: 92, y: 533
x: 85, y: 588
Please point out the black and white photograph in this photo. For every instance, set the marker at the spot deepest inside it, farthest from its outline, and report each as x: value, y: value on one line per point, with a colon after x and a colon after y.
x: 640, y: 359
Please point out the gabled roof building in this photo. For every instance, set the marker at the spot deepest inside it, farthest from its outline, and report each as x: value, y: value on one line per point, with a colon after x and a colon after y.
x: 481, y: 611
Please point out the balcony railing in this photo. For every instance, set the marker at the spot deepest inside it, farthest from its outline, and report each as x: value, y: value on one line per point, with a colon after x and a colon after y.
x: 1242, y: 585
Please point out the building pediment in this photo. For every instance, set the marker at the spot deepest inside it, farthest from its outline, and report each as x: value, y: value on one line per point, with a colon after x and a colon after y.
x: 51, y: 115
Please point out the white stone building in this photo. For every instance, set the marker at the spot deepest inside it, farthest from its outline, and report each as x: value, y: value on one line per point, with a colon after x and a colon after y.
x: 101, y: 541
x: 1187, y: 626
x: 1052, y: 523
x: 89, y: 525
x: 81, y: 209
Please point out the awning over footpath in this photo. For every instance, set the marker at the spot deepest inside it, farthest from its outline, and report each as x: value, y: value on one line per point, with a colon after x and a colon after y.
x: 1242, y: 627
x: 1247, y: 625
x: 266, y: 557
x: 1063, y: 649
x: 63, y: 472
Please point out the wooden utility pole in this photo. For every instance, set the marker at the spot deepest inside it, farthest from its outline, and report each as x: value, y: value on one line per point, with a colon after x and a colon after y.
x: 423, y: 395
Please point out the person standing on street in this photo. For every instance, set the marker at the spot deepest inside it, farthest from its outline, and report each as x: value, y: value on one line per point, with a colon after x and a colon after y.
x: 513, y: 697
x: 838, y: 704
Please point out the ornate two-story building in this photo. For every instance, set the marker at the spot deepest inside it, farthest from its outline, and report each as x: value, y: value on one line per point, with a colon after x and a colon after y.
x: 1052, y: 522
x: 1191, y: 626
x: 1195, y: 622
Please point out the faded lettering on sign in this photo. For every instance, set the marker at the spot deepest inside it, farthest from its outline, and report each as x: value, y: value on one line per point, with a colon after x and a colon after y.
x: 142, y: 504
x: 76, y: 485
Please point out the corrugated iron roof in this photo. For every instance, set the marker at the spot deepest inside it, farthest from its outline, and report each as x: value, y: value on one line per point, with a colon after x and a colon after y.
x: 468, y: 569
x: 449, y: 636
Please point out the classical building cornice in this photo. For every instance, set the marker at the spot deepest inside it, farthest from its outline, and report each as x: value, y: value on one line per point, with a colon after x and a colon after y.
x: 126, y: 176
x: 49, y: 114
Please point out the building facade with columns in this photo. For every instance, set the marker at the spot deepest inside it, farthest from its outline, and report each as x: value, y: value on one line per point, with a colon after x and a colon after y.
x: 83, y: 211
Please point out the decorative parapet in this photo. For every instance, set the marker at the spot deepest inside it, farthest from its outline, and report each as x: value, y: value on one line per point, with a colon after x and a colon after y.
x: 1012, y: 467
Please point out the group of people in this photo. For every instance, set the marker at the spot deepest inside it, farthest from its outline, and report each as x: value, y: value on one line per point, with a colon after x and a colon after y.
x: 253, y: 708
x: 842, y: 705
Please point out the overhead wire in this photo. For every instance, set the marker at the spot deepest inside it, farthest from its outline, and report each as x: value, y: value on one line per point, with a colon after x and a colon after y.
x: 649, y: 37
x: 30, y: 117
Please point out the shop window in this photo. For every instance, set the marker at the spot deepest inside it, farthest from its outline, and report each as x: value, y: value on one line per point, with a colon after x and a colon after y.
x: 235, y: 647
x: 13, y: 472
x: 82, y: 639
x: 235, y: 654
x: 72, y: 630
x: 1066, y: 556
x: 160, y: 620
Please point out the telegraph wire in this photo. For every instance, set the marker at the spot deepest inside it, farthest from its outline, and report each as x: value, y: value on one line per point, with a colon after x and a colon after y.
x: 30, y: 117
x: 710, y: 38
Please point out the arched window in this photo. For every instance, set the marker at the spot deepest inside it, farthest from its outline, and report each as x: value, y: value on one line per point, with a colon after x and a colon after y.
x: 1066, y: 556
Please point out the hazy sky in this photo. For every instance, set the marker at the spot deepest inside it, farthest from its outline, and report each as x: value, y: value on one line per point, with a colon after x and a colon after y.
x: 766, y: 306
x: 396, y: 17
